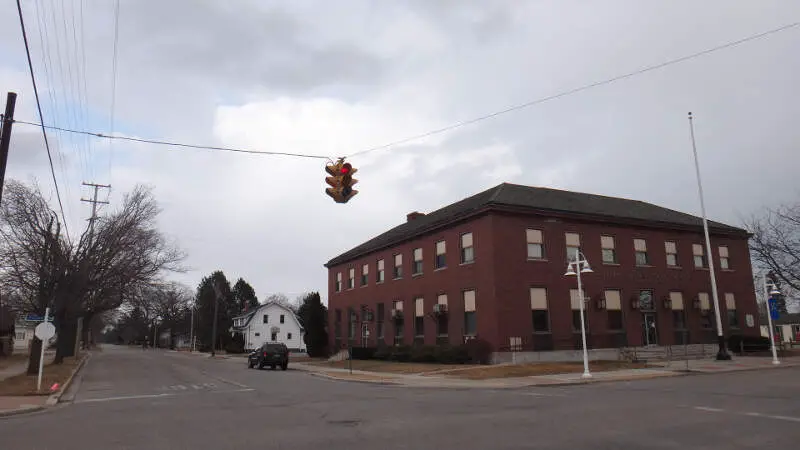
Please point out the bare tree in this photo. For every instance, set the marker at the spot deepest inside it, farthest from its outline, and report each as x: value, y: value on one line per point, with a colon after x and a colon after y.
x: 775, y: 245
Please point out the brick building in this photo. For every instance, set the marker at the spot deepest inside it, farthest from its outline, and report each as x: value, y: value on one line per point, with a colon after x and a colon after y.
x: 492, y: 266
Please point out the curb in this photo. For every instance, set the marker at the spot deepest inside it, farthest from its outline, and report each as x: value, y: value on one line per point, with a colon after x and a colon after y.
x: 19, y: 411
x: 53, y: 399
x: 323, y: 375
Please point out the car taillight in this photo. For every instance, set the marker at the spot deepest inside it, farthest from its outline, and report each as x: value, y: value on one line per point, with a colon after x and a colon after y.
x: 265, y: 353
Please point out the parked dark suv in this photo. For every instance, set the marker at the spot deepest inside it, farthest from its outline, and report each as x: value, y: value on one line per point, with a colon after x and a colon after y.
x: 272, y: 355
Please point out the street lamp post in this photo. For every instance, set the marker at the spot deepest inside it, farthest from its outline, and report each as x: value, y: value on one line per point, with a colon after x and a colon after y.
x: 576, y: 268
x: 767, y: 294
x: 722, y: 353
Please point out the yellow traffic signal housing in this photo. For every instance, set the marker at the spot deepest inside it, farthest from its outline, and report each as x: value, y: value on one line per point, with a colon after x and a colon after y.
x: 341, y: 181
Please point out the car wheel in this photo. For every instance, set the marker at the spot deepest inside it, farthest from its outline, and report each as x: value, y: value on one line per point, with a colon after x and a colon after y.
x: 284, y: 366
x: 261, y: 367
x: 249, y: 365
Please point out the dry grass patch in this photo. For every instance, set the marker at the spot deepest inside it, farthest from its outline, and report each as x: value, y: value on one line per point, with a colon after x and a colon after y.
x: 534, y: 369
x: 13, y: 360
x: 389, y: 366
x: 51, y: 373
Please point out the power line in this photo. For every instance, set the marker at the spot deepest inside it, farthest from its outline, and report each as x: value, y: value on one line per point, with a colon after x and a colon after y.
x: 576, y: 90
x: 113, y: 84
x: 172, y: 144
x: 41, y: 118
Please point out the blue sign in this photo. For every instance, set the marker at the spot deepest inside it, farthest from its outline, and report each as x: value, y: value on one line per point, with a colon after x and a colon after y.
x: 774, y: 313
x: 35, y: 318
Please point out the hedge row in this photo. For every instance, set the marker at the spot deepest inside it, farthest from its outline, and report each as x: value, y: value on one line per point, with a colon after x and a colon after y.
x: 475, y: 351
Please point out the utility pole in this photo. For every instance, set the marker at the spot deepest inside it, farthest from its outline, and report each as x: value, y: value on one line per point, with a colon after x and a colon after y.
x: 5, y: 137
x: 217, y: 295
x: 94, y: 203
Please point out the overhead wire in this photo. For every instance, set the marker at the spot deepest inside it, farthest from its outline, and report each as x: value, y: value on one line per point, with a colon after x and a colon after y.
x: 41, y: 117
x: 172, y: 144
x: 575, y: 90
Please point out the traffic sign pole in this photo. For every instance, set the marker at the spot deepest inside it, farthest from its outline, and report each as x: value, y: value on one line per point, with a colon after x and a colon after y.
x: 771, y: 304
x: 39, y: 333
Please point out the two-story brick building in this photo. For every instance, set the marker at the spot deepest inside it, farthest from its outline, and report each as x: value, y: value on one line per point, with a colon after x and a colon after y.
x: 493, y: 266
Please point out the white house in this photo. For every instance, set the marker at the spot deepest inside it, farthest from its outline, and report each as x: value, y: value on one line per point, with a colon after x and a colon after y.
x: 270, y: 322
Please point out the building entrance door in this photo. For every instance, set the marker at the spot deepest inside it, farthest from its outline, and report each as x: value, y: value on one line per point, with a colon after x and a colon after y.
x: 650, y: 333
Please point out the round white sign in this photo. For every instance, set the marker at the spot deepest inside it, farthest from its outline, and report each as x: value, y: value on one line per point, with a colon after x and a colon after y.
x: 45, y: 331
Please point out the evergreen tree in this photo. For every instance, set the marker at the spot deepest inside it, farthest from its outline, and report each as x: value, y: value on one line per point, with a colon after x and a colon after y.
x: 227, y: 309
x: 244, y: 295
x: 313, y: 316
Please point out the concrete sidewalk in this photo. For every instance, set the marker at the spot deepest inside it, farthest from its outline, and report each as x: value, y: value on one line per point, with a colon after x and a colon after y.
x: 444, y: 381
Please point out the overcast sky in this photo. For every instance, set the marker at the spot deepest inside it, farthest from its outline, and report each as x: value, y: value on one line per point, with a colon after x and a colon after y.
x: 333, y: 78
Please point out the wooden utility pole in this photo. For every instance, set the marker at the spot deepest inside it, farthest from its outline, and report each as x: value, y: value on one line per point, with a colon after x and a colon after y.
x: 5, y: 137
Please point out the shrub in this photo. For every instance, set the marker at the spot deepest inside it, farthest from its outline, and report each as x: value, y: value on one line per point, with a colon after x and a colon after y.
x: 382, y: 353
x: 363, y: 352
x: 478, y: 351
x: 749, y: 343
x: 424, y: 354
x: 401, y: 353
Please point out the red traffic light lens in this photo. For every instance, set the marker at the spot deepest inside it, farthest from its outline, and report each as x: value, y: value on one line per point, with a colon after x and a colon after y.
x: 346, y: 167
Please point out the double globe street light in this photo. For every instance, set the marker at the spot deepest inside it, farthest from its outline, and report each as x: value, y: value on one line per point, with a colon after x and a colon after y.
x: 771, y: 290
x: 577, y: 267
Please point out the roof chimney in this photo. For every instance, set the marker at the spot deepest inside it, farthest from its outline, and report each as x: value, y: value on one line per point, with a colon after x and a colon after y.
x: 413, y: 215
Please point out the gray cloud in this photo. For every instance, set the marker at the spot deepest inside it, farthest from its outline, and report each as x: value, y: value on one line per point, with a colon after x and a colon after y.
x: 333, y: 78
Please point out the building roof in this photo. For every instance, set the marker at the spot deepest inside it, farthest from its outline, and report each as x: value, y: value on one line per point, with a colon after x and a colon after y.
x: 249, y: 315
x: 535, y: 199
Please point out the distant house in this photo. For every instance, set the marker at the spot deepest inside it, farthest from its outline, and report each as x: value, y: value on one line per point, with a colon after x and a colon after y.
x: 787, y: 328
x: 270, y: 322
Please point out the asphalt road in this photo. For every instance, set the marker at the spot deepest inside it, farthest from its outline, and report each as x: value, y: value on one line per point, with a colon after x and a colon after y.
x: 135, y: 399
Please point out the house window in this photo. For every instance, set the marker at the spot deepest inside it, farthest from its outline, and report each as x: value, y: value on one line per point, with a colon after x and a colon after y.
x: 613, y: 300
x: 730, y: 305
x: 646, y: 302
x: 535, y: 243
x: 573, y: 241
x: 380, y: 276
x: 441, y: 260
x: 417, y: 262
x: 258, y: 334
x: 539, y: 313
x: 699, y: 256
x: 419, y: 318
x: 640, y: 247
x: 274, y: 336
x: 364, y: 274
x: 672, y: 253
x: 441, y: 319
x: 379, y: 320
x: 470, y: 320
x: 19, y: 336
x: 351, y: 323
x: 705, y: 310
x: 608, y: 247
x: 467, y: 249
x: 398, y: 266
x: 282, y: 318
x: 265, y: 318
x: 338, y: 281
x: 575, y: 299
x: 351, y: 278
x: 724, y: 262
x: 678, y: 320
x: 289, y: 336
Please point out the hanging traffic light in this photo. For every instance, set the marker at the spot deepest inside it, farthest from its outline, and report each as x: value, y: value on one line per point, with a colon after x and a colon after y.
x: 341, y: 181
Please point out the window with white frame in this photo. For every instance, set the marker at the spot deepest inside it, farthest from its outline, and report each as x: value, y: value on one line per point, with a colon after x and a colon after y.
x: 398, y: 266
x: 351, y: 278
x: 470, y: 319
x: 417, y: 262
x: 609, y: 249
x: 535, y: 243
x: 338, y: 281
x: 364, y: 274
x: 699, y: 255
x: 724, y: 261
x: 613, y: 299
x: 540, y: 315
x: 730, y: 305
x: 640, y: 249
x: 441, y: 256
x: 467, y: 249
x: 381, y: 273
x: 419, y: 318
x: 672, y: 253
x: 573, y: 241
